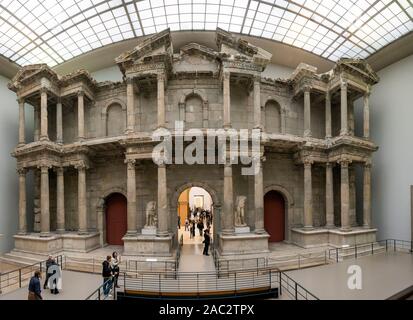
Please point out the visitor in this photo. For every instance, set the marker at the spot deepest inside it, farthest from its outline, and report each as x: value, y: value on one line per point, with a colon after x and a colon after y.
x: 206, y: 242
x: 107, y: 276
x: 200, y: 227
x: 193, y: 227
x: 179, y: 222
x: 49, y: 262
x: 186, y: 224
x: 115, y: 261
x: 35, y: 293
x: 55, y: 284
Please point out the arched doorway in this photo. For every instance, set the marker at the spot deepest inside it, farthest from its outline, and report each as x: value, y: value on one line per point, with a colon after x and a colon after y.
x: 116, y: 218
x: 274, y: 216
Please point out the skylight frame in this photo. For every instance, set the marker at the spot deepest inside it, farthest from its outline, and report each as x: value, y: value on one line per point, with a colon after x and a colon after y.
x: 31, y: 33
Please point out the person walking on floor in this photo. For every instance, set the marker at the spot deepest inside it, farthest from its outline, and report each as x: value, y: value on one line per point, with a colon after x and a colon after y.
x: 49, y: 262
x: 115, y: 261
x: 186, y: 224
x: 55, y: 283
x: 207, y: 241
x: 35, y: 293
x: 200, y: 226
x: 107, y: 276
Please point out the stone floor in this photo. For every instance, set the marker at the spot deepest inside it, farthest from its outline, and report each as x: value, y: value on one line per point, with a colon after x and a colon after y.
x: 383, y: 275
x: 76, y: 286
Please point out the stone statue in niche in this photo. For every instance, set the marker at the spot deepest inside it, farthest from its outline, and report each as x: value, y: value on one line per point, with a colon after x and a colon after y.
x: 151, y: 218
x: 240, y: 211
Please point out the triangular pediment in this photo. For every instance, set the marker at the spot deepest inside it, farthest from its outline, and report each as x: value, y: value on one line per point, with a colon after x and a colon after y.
x: 198, y: 49
x: 157, y: 44
x: 360, y: 67
x: 32, y: 71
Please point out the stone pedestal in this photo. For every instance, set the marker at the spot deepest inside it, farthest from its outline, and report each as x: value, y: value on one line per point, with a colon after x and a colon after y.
x: 334, y: 237
x: 149, y: 231
x: 242, y: 229
x: 148, y: 245
x: 54, y: 242
x: 247, y: 243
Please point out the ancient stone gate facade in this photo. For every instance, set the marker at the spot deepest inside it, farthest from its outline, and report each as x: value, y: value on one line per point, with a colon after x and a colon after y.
x: 94, y: 139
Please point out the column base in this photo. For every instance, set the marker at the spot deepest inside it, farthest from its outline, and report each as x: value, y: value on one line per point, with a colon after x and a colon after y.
x: 45, y: 234
x: 162, y: 234
x: 227, y: 126
x: 344, y: 133
x: 21, y: 145
x: 307, y: 134
x: 345, y: 229
x: 44, y: 139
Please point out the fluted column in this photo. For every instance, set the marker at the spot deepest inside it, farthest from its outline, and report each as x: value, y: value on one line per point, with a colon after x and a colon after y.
x: 307, y: 111
x: 36, y: 111
x: 44, y: 201
x: 22, y: 201
x: 366, y: 111
x: 61, y: 227
x: 367, y: 195
x: 257, y: 102
x: 81, y: 115
x: 259, y: 199
x: 344, y: 112
x: 329, y: 196
x: 308, y: 195
x: 161, y: 100
x: 59, y: 122
x: 81, y: 202
x: 228, y: 214
x: 162, y: 202
x: 345, y: 195
x: 328, y: 115
x: 130, y: 106
x: 131, y: 191
x: 22, y: 135
x: 43, y: 115
x: 227, y: 100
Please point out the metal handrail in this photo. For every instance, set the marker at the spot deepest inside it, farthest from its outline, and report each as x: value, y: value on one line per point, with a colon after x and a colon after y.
x: 18, y: 277
x: 390, y: 244
x: 98, y: 294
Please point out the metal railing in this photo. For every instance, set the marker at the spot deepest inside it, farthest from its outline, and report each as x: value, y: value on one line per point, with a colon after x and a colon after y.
x: 20, y: 278
x: 99, y: 293
x: 207, y: 284
x: 357, y: 250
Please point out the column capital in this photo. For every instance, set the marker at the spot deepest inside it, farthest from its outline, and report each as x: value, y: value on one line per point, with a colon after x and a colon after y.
x: 308, y: 162
x: 21, y: 171
x: 59, y: 170
x: 80, y: 166
x: 367, y: 164
x: 257, y: 79
x: 344, y: 162
x: 43, y: 90
x: 59, y: 100
x: 80, y: 93
x: 44, y: 166
x: 330, y: 164
x: 21, y: 101
x: 129, y: 80
x: 161, y: 165
x: 226, y: 75
x: 131, y: 163
x: 161, y: 76
x: 343, y: 84
x: 307, y: 88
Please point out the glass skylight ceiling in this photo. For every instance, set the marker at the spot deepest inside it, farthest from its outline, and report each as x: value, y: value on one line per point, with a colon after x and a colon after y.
x: 53, y: 31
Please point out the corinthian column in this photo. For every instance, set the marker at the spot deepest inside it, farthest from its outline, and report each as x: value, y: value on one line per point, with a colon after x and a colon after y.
x: 81, y: 202
x: 344, y: 112
x: 162, y: 202
x: 161, y: 100
x: 59, y: 122
x: 328, y: 115
x: 307, y: 112
x: 130, y: 106
x: 44, y: 201
x: 228, y: 214
x: 81, y: 115
x: 257, y: 102
x: 329, y: 196
x: 308, y: 195
x: 131, y: 190
x: 227, y: 100
x: 60, y: 200
x: 367, y: 195
x: 22, y: 201
x: 22, y: 136
x: 259, y: 199
x: 345, y: 195
x: 43, y: 115
x: 366, y: 112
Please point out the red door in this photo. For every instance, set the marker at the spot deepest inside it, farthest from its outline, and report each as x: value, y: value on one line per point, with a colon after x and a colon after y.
x: 274, y: 216
x: 116, y: 219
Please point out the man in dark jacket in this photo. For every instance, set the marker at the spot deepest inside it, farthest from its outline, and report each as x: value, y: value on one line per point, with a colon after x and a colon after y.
x: 107, y: 276
x: 207, y: 241
x: 35, y: 293
x: 49, y: 262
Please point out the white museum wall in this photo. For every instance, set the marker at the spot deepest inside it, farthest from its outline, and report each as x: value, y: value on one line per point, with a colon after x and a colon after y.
x: 391, y: 125
x: 195, y: 191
